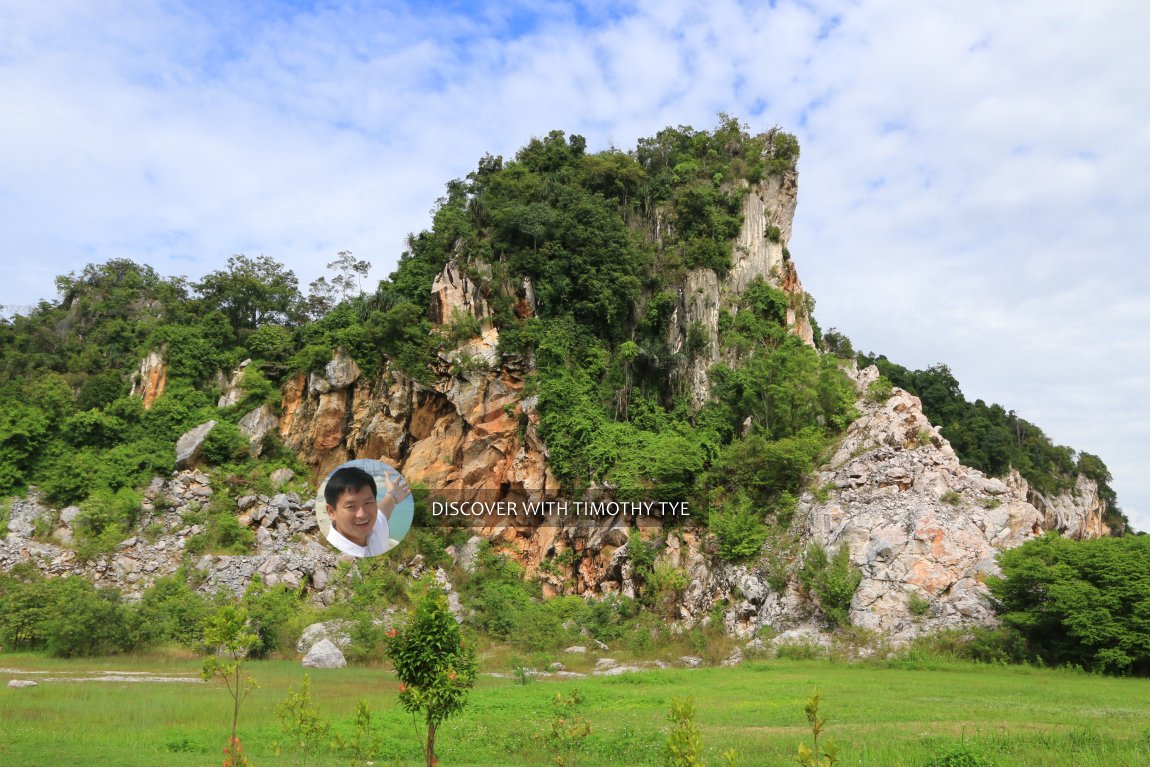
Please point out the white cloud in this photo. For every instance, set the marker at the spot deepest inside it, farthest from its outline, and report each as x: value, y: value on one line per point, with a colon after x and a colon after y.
x: 973, y: 189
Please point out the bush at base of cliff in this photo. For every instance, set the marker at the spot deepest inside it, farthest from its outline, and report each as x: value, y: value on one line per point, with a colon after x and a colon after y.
x: 104, y: 520
x: 66, y: 617
x: 999, y: 646
x: 833, y: 581
x: 1082, y: 603
x: 740, y: 531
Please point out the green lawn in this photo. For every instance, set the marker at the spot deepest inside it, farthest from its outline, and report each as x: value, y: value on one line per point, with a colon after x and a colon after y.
x: 879, y: 715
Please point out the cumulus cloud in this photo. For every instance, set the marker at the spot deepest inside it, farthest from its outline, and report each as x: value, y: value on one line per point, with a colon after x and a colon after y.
x: 974, y: 179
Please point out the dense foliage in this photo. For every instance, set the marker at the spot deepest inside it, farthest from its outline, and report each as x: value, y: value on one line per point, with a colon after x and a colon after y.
x: 1083, y: 603
x: 994, y: 440
x: 69, y: 617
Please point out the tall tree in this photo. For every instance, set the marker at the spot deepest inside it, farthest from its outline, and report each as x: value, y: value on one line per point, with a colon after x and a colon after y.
x: 252, y: 292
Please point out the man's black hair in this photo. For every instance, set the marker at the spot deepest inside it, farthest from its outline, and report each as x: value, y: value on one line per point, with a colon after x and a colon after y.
x: 349, y: 478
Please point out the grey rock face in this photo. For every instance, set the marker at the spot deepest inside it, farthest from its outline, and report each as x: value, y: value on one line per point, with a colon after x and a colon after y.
x: 1076, y: 513
x: 467, y: 555
x: 191, y: 444
x: 338, y: 374
x: 759, y: 252
x: 256, y: 425
x: 919, y: 524
x: 284, y: 551
x: 232, y: 390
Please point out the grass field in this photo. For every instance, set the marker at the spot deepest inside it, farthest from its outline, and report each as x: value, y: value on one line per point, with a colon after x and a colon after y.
x: 879, y: 715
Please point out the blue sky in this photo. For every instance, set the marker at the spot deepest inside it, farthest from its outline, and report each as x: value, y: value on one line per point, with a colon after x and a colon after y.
x: 974, y: 181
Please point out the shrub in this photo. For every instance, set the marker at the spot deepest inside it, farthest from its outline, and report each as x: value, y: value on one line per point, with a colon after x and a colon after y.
x: 257, y: 389
x: 740, y: 531
x: 271, y: 610
x: 169, y: 611
x: 765, y: 469
x: 959, y: 756
x: 363, y: 745
x: 224, y: 444
x: 684, y: 747
x: 85, y: 621
x: 222, y: 531
x: 301, y: 722
x: 800, y: 651
x: 105, y: 519
x: 366, y: 640
x: 228, y: 641
x: 434, y: 667
x: 832, y: 581
x: 879, y: 390
x: 917, y: 605
x: 568, y: 729
x: 666, y: 586
x: 1079, y: 602
x: 814, y: 755
x: 539, y: 627
x: 607, y: 618
x: 271, y: 343
x: 462, y: 326
x: 499, y: 607
x: 641, y: 554
x: 372, y: 584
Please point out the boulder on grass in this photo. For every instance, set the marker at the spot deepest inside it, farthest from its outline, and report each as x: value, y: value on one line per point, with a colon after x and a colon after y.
x: 324, y: 654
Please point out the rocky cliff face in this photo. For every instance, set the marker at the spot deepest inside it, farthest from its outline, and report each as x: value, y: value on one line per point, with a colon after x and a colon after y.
x: 760, y: 251
x: 285, y: 527
x: 1076, y: 513
x: 921, y: 527
x: 462, y: 434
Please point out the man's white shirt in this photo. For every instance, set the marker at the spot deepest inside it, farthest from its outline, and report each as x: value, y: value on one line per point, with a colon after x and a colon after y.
x: 377, y: 543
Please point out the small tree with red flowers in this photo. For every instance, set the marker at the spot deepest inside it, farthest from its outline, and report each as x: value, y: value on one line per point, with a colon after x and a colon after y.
x: 436, y: 668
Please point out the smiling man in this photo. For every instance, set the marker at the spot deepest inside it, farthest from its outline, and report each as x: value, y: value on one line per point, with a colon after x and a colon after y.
x: 358, y: 527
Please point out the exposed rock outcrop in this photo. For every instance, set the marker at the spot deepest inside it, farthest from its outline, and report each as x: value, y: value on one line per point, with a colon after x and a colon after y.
x: 335, y: 631
x: 461, y: 435
x: 257, y: 425
x: 454, y: 292
x: 150, y: 378
x: 1076, y: 513
x: 191, y: 444
x: 921, y: 527
x: 173, y: 519
x: 324, y: 655
x: 232, y: 387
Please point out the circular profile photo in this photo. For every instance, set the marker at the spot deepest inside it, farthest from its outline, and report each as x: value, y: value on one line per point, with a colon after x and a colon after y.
x: 364, y: 507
